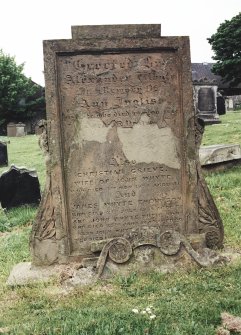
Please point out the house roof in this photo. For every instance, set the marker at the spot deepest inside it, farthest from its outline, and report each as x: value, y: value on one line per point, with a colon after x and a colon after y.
x: 202, y: 74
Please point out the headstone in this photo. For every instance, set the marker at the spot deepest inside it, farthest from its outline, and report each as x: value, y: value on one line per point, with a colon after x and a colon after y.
x: 11, y: 129
x: 221, y: 106
x: 230, y: 103
x: 20, y: 129
x: 123, y: 179
x: 205, y: 97
x: 19, y: 186
x: 3, y: 154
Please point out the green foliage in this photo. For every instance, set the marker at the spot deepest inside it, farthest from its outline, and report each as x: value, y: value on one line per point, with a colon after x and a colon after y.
x: 227, y: 48
x: 14, y: 87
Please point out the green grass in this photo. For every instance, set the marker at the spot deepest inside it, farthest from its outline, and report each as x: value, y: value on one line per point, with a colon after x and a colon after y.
x: 226, y: 186
x: 185, y: 303
x: 228, y: 132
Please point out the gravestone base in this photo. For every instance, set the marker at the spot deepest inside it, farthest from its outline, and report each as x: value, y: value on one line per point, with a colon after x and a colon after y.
x: 209, y: 118
x: 139, y: 253
x: 145, y: 259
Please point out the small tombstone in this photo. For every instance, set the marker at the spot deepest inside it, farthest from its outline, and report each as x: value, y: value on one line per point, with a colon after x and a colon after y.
x: 11, y: 129
x: 3, y: 154
x: 221, y: 107
x: 20, y: 129
x: 19, y: 186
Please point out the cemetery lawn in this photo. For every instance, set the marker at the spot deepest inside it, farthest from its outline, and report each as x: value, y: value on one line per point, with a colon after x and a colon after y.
x: 186, y: 302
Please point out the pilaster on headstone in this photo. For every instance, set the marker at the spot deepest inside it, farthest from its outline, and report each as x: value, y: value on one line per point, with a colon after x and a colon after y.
x: 124, y: 178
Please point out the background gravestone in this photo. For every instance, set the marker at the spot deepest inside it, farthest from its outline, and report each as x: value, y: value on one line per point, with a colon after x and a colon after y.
x: 11, y: 129
x: 3, y: 154
x: 20, y: 129
x: 221, y: 106
x: 123, y: 170
x: 206, y: 100
x: 19, y: 186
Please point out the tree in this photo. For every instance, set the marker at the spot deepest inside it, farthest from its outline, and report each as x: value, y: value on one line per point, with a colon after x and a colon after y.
x: 226, y: 44
x: 14, y: 88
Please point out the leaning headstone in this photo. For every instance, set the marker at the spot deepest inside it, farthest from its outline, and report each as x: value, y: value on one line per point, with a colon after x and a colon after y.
x: 11, y: 129
x: 19, y: 186
x: 124, y: 185
x: 3, y: 154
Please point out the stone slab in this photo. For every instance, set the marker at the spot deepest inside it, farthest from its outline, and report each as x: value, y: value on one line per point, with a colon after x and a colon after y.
x: 24, y: 273
x: 219, y: 153
x: 69, y: 276
x: 116, y: 31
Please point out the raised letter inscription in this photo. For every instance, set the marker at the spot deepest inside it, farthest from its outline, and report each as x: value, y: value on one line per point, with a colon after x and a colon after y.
x: 122, y: 144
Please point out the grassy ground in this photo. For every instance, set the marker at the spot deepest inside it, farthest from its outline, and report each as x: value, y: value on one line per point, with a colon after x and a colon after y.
x: 187, y: 302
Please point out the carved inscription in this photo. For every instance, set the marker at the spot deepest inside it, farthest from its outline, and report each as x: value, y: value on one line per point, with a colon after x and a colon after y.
x: 122, y: 144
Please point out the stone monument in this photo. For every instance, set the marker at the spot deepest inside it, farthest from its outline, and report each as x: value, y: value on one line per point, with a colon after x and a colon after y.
x: 123, y: 176
x: 20, y: 129
x: 205, y: 98
x: 19, y: 186
x: 11, y: 129
x: 3, y: 154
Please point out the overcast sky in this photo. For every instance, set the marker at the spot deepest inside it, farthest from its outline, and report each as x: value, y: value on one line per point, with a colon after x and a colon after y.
x: 24, y: 24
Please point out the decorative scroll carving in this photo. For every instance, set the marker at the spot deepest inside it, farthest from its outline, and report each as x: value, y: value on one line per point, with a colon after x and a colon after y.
x: 119, y: 250
x: 169, y: 243
x: 209, y: 218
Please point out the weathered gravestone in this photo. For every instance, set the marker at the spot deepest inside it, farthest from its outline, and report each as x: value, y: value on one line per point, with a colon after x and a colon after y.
x: 16, y: 129
x: 11, y: 129
x: 20, y: 129
x: 19, y: 186
x: 124, y: 180
x: 221, y: 106
x: 205, y: 98
x: 3, y: 154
